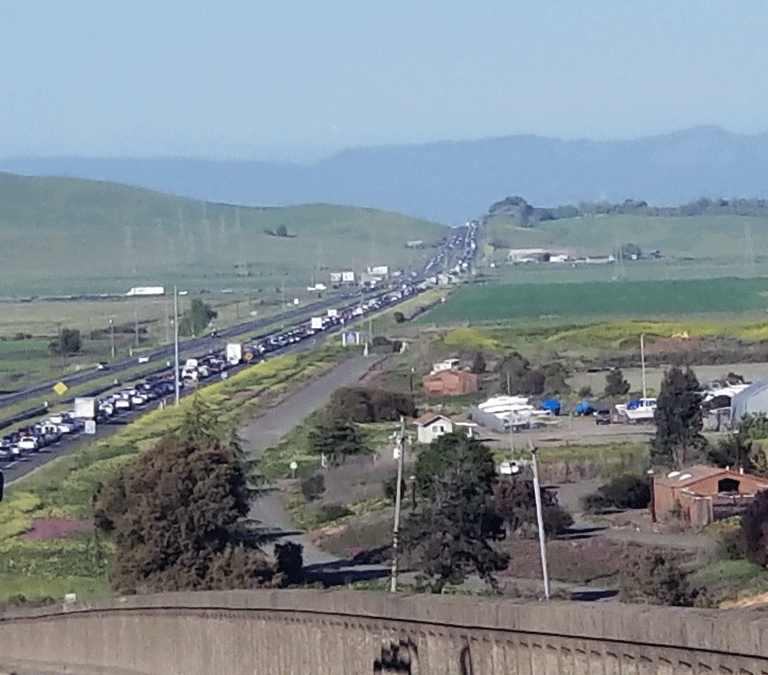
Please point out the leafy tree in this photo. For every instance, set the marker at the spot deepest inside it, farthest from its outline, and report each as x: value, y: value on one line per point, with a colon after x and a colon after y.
x: 399, y: 317
x: 585, y: 391
x: 615, y: 384
x: 678, y: 419
x: 630, y: 251
x: 754, y: 529
x: 68, y: 342
x: 281, y: 231
x: 555, y: 379
x: 478, y: 363
x: 515, y: 501
x: 177, y: 514
x: 453, y: 530
x: 337, y: 439
x: 533, y: 383
x: 197, y: 318
x: 512, y: 369
x: 448, y: 451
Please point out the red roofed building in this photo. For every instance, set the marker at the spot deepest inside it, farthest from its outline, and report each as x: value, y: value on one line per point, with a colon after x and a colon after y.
x: 704, y: 493
x: 450, y: 383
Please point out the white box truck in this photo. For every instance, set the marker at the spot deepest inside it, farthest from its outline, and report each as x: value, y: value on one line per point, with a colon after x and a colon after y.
x: 234, y: 353
x: 85, y: 408
x: 316, y: 323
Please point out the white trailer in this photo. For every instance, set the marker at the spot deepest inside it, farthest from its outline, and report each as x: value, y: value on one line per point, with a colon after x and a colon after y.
x: 316, y: 323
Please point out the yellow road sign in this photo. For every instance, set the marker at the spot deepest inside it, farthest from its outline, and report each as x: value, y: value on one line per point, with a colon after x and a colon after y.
x: 60, y: 388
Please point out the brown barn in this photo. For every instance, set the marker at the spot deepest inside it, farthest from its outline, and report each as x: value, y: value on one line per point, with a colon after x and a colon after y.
x: 450, y: 383
x: 704, y: 493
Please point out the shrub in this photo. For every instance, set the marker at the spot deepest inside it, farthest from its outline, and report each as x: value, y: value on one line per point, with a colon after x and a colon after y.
x: 329, y: 512
x: 657, y: 576
x: 399, y: 317
x: 313, y: 487
x: 624, y: 492
x: 730, y: 544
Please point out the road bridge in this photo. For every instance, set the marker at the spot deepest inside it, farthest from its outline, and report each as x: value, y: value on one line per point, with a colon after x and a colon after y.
x: 306, y: 632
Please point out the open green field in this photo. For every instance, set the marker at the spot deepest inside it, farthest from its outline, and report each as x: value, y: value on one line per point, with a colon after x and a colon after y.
x: 495, y: 302
x: 68, y: 236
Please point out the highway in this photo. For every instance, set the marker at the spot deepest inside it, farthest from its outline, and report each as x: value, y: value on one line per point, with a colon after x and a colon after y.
x: 280, y: 342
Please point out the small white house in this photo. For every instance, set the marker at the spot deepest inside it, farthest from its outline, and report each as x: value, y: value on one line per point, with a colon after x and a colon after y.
x: 448, y: 364
x: 432, y: 426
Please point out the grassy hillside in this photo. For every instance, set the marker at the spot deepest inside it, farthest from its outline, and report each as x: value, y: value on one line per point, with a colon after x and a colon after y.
x: 63, y: 235
x: 496, y: 302
x: 714, y: 238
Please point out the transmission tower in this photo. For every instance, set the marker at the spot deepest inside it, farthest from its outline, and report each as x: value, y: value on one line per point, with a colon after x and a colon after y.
x: 130, y: 260
x: 749, y: 253
x: 205, y: 232
x: 242, y: 270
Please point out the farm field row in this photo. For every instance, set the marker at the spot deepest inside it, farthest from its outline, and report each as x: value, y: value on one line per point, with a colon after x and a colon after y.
x: 496, y: 302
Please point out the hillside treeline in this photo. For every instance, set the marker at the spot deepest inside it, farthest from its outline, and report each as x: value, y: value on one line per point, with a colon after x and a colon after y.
x: 528, y: 215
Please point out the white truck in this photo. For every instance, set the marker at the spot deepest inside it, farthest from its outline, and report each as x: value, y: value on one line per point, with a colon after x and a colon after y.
x: 234, y: 353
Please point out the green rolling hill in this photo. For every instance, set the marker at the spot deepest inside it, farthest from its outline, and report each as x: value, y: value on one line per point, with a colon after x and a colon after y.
x: 70, y: 236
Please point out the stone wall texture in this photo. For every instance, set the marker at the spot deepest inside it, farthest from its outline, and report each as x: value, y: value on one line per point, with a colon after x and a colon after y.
x: 349, y: 633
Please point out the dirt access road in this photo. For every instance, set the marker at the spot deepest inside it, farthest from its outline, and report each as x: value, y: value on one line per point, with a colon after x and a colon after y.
x: 267, y: 429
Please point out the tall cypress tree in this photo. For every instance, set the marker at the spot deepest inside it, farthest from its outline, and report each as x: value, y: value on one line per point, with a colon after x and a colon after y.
x: 678, y: 419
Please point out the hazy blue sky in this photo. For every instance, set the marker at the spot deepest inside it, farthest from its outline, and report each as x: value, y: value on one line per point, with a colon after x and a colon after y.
x: 291, y: 78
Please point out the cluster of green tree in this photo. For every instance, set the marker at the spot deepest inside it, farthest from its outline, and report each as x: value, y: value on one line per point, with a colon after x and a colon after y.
x: 68, y: 342
x: 740, y: 450
x: 528, y: 215
x: 464, y: 508
x: 177, y: 516
x: 196, y: 319
x: 361, y: 405
x: 518, y: 376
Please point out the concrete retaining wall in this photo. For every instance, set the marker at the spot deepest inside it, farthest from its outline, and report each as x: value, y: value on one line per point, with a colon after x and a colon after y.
x: 351, y: 633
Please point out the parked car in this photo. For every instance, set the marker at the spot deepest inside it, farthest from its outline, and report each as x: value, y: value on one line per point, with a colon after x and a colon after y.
x: 603, y: 417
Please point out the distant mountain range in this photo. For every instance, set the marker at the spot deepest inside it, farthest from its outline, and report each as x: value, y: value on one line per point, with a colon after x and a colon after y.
x: 451, y: 182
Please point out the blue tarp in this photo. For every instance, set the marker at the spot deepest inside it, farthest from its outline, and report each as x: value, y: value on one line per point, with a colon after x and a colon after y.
x: 552, y: 405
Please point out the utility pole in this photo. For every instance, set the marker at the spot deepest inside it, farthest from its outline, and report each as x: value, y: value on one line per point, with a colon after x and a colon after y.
x: 540, y: 521
x: 61, y: 346
x: 176, y: 343
x: 112, y: 337
x: 642, y: 361
x: 400, y: 449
